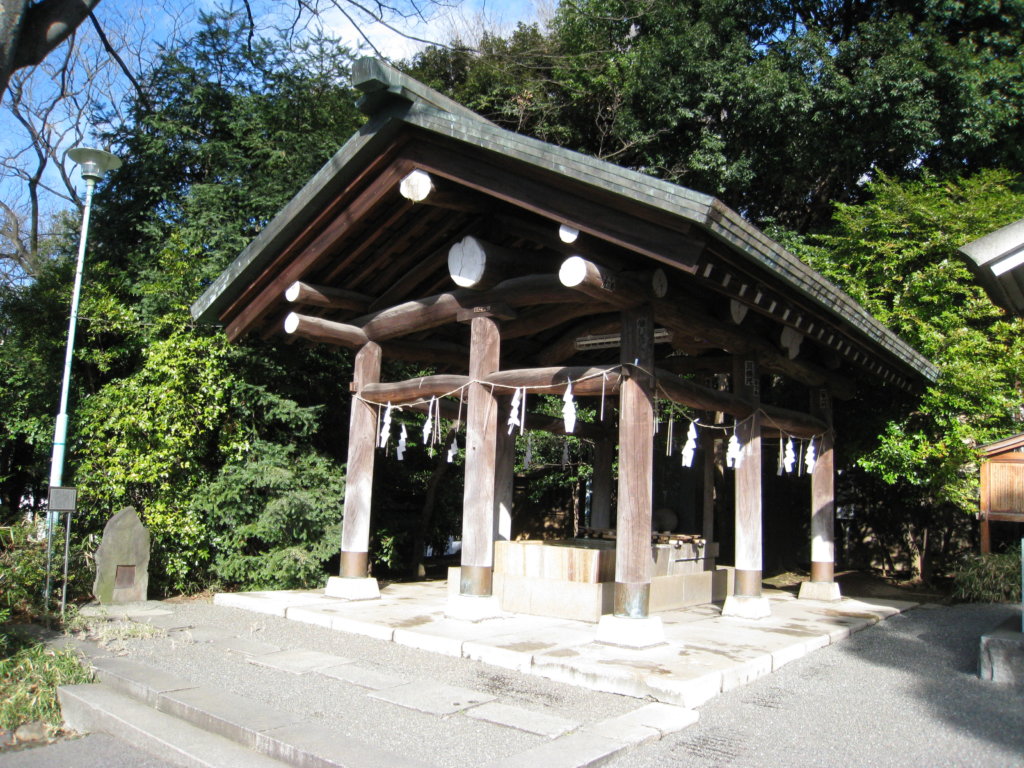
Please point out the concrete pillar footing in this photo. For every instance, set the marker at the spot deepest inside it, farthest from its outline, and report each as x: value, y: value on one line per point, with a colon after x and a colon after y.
x: 473, y: 607
x: 645, y: 632
x: 747, y: 607
x: 820, y: 590
x: 353, y: 589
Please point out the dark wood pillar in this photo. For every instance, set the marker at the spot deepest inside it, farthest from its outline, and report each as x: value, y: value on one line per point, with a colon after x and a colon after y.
x: 746, y: 383
x: 478, y: 505
x: 707, y: 463
x: 823, y: 496
x: 362, y: 443
x: 601, y: 485
x: 636, y: 456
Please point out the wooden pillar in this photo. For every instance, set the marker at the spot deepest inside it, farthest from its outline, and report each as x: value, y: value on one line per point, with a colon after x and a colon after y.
x: 636, y: 458
x: 707, y: 459
x: 362, y: 443
x: 823, y: 548
x: 504, y: 474
x: 478, y: 504
x: 601, y: 485
x: 822, y: 584
x: 746, y: 383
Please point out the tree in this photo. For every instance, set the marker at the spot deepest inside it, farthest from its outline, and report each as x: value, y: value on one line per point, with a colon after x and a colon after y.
x: 778, y: 108
x: 896, y: 254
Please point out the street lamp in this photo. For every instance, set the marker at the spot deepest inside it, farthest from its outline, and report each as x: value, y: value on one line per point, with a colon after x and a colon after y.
x: 93, y: 163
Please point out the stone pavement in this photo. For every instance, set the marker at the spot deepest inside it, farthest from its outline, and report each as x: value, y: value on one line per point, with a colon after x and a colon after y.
x: 321, y: 681
x: 704, y: 653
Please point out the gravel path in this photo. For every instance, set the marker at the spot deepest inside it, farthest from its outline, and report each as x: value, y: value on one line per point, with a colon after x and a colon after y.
x: 904, y: 693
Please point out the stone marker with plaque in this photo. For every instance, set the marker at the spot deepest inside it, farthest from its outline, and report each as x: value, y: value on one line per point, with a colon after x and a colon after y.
x: 122, y: 560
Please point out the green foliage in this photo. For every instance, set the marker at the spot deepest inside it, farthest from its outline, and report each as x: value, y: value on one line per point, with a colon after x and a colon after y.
x: 738, y: 99
x: 992, y: 578
x: 23, y: 569
x: 897, y: 255
x: 275, y: 517
x: 30, y: 674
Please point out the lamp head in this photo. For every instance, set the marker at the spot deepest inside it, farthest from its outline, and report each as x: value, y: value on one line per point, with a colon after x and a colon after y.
x: 94, y: 162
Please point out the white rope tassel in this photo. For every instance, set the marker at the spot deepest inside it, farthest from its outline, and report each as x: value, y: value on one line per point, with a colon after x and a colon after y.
x: 811, y: 456
x: 400, y: 450
x: 513, y: 415
x: 789, y: 458
x: 428, y: 425
x: 733, y: 452
x: 569, y: 408
x: 690, y: 447
x: 385, y: 428
x: 453, y: 449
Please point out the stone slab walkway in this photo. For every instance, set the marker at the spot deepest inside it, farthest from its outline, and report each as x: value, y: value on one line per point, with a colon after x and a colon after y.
x: 704, y: 653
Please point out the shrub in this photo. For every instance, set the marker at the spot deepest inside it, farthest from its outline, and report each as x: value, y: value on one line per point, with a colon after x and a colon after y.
x: 29, y: 678
x: 23, y: 569
x: 992, y: 578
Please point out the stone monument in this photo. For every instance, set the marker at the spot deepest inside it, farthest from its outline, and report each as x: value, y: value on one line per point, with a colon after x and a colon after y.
x: 122, y: 560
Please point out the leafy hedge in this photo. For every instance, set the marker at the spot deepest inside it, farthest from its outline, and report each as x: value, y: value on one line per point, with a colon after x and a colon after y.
x: 992, y: 578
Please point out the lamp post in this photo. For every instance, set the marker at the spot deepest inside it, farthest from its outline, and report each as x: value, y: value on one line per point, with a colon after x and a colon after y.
x: 93, y: 163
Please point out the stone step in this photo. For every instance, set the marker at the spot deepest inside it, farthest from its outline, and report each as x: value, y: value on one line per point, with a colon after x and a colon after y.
x: 281, y: 736
x: 95, y: 707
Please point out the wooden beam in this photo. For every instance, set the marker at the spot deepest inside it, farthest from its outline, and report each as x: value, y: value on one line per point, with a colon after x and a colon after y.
x: 477, y: 264
x: 323, y: 296
x: 564, y: 347
x: 619, y: 289
x: 543, y: 318
x: 677, y: 316
x: 252, y: 308
x: 586, y: 381
x: 326, y: 331
x: 440, y: 309
x: 563, y: 205
x: 413, y: 390
x: 636, y: 460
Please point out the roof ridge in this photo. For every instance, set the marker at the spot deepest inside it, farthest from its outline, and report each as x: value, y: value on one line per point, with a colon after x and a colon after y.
x: 381, y: 84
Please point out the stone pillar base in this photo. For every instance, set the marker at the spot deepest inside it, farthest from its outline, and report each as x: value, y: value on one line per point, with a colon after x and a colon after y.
x: 353, y: 589
x: 628, y: 632
x: 473, y: 607
x: 747, y: 607
x: 820, y: 590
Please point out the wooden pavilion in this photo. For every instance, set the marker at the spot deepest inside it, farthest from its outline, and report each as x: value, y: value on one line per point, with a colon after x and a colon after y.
x: 1002, y: 485
x: 569, y: 273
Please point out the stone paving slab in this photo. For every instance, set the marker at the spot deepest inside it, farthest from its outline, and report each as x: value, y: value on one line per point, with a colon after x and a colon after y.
x: 433, y: 698
x: 577, y: 750
x: 539, y: 723
x: 224, y: 713
x: 298, y: 661
x: 309, y: 744
x: 273, y: 603
x: 246, y: 646
x: 363, y: 677
x: 517, y: 650
x: 140, y: 681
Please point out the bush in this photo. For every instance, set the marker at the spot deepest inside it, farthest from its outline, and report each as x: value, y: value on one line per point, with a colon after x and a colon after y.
x: 275, y: 516
x: 29, y: 678
x: 992, y: 578
x: 23, y: 570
